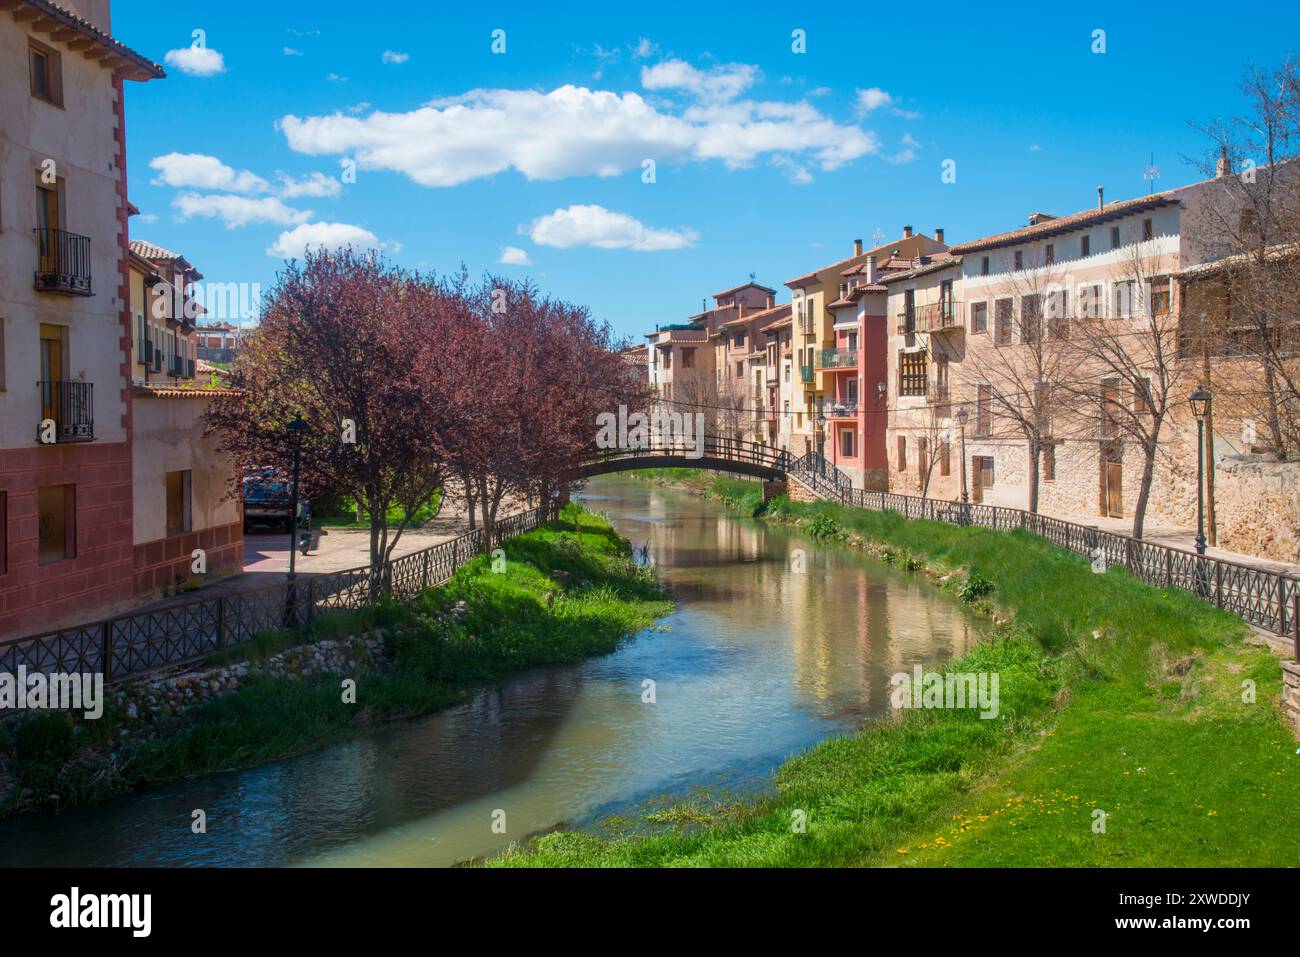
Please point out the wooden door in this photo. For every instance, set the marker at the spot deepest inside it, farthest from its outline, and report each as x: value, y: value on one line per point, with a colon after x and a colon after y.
x: 976, y: 480
x: 51, y: 370
x: 1115, y: 489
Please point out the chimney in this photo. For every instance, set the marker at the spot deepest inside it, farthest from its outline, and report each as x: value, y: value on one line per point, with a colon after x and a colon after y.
x: 871, y: 269
x: 742, y: 310
x: 1223, y: 166
x: 938, y: 235
x: 771, y: 301
x: 1101, y: 202
x: 907, y: 232
x: 857, y: 247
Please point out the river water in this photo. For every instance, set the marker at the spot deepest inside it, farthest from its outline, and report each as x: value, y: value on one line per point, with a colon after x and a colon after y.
x: 759, y: 661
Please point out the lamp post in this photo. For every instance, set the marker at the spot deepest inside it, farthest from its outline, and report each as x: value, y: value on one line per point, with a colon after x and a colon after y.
x: 297, y: 427
x: 961, y: 417
x: 1199, y: 400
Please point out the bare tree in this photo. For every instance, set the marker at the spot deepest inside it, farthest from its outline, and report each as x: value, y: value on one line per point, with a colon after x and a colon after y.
x: 1127, y: 371
x: 1250, y: 222
x: 1015, y: 373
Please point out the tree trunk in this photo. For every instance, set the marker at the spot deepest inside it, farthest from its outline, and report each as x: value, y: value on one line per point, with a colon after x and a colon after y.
x: 1144, y: 491
x: 488, y: 514
x: 1035, y: 455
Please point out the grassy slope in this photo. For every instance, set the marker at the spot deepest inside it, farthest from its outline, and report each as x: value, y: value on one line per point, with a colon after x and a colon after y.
x: 570, y: 590
x: 1114, y: 696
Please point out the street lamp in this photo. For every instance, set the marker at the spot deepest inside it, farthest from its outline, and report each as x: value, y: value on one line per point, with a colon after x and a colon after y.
x: 961, y: 417
x: 297, y: 427
x: 1199, y: 400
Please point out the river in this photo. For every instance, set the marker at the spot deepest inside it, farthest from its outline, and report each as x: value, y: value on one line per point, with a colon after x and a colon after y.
x: 776, y: 643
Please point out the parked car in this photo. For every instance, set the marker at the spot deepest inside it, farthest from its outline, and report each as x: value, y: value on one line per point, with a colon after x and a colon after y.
x: 268, y: 499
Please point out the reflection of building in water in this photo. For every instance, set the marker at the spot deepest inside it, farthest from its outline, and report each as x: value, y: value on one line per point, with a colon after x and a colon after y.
x: 848, y: 611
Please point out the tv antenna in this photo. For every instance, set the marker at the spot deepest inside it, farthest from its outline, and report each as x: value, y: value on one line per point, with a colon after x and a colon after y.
x: 1151, y: 173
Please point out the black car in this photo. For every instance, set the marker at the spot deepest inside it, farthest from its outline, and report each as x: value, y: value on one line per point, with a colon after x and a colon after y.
x: 268, y: 499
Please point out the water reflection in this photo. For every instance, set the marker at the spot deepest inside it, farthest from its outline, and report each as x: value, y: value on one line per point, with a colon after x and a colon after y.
x: 758, y: 662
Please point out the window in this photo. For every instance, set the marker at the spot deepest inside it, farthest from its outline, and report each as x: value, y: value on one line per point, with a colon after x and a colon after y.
x: 984, y: 266
x: 1058, y: 314
x: 923, y: 456
x: 740, y: 370
x: 1085, y: 246
x: 688, y: 358
x: 902, y: 453
x: 912, y: 379
x: 1050, y: 254
x: 1019, y: 260
x: 1049, y: 462
x: 56, y: 526
x: 846, y: 443
x: 1142, y: 397
x: 740, y: 340
x: 984, y: 411
x: 1148, y: 229
x: 46, y: 70
x: 1002, y: 322
x: 1114, y: 237
x: 1090, y: 301
x: 1043, y: 408
x: 178, y: 502
x: 787, y: 372
x: 1125, y: 292
x: 984, y: 467
x: 1109, y: 425
x: 1160, y: 296
x: 979, y: 317
x: 945, y: 458
x: 1031, y: 318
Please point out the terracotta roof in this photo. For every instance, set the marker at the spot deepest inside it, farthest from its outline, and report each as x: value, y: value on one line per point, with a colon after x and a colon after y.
x: 727, y: 292
x: 150, y: 391
x: 55, y: 20
x: 152, y: 251
x: 852, y: 261
x: 1274, y: 251
x: 935, y: 265
x: 781, y: 316
x: 750, y: 317
x: 1065, y: 224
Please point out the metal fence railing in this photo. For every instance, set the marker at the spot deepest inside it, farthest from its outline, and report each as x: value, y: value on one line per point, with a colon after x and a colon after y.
x: 1266, y: 599
x: 135, y: 644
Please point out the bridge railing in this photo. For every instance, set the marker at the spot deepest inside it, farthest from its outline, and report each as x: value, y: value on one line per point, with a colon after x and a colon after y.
x: 711, y: 447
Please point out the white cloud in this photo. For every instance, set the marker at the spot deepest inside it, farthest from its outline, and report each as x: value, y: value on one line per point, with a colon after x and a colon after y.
x: 720, y: 83
x: 599, y: 227
x: 148, y: 218
x: 907, y: 153
x: 290, y: 51
x: 575, y: 131
x: 1034, y: 148
x: 797, y: 175
x: 872, y: 99
x: 392, y: 56
x: 644, y: 49
x: 293, y: 243
x: 313, y: 184
x: 200, y: 171
x: 237, y: 211
x: 514, y: 256
x: 196, y: 61
x: 336, y: 78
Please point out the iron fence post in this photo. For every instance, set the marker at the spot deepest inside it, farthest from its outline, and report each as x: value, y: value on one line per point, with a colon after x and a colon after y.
x: 311, y: 599
x: 424, y: 573
x: 106, y: 653
x: 221, y: 622
x: 1218, y: 584
x: 1169, y: 568
x: 1281, y: 605
x: 1295, y: 623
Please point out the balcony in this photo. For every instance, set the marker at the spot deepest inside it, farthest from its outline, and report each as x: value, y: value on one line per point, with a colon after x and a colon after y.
x: 71, y: 407
x: 940, y: 316
x: 805, y: 374
x: 847, y: 409
x: 838, y: 359
x: 62, y: 262
x: 807, y: 323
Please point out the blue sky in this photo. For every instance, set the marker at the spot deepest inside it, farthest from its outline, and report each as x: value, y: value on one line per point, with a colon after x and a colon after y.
x: 767, y: 161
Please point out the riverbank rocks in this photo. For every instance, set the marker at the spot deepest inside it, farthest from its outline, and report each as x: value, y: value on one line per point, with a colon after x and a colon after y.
x: 147, y: 699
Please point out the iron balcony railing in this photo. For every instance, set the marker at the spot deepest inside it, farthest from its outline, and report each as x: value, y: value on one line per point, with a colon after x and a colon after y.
x: 805, y: 373
x: 62, y: 262
x: 940, y: 316
x: 837, y: 359
x: 71, y: 407
x: 842, y: 410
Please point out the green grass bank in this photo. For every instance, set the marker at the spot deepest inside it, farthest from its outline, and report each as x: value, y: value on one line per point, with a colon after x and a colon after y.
x: 569, y: 590
x: 1137, y: 727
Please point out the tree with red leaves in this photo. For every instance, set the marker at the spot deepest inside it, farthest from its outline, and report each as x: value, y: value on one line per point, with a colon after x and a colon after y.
x: 347, y: 341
